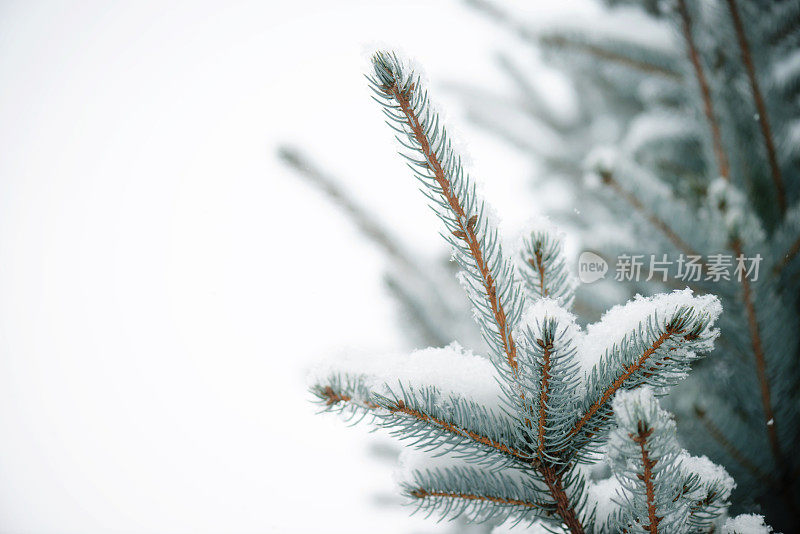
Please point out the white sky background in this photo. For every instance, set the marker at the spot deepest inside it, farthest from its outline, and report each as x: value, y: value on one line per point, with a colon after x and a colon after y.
x: 165, y: 282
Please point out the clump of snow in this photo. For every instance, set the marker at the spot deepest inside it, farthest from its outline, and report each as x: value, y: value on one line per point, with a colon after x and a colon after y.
x: 452, y: 370
x: 621, y: 320
x: 731, y: 204
x: 649, y: 127
x: 746, y: 524
x: 601, y: 158
x: 550, y: 308
x: 787, y: 68
x: 708, y: 472
x: 625, y: 401
x: 601, y: 496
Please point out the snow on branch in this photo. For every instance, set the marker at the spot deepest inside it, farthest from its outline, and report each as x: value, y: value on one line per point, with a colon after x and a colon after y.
x: 444, y: 397
x: 544, y: 393
x: 663, y: 488
x: 489, y: 276
x: 647, y: 341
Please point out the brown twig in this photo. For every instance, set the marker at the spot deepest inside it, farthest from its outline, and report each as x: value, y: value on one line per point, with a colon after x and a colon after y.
x: 705, y: 91
x: 553, y: 480
x: 608, y: 178
x: 716, y: 433
x: 333, y: 397
x: 548, y: 349
x: 609, y: 55
x: 537, y: 264
x: 640, y: 438
x: 761, y: 108
x: 761, y: 365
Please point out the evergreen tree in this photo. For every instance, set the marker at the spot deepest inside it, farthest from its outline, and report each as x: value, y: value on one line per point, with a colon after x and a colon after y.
x: 689, y: 132
x: 516, y: 433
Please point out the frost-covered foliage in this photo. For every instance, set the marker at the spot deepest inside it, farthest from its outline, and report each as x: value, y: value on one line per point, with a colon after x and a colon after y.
x: 684, y: 140
x: 515, y: 437
x: 660, y: 484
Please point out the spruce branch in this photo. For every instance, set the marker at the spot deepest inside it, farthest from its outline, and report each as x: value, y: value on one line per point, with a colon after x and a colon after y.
x: 664, y: 489
x: 607, y: 178
x: 542, y: 391
x: 495, y: 294
x: 734, y: 452
x: 760, y: 363
x: 607, y: 54
x: 426, y: 417
x: 402, y: 264
x: 619, y: 55
x: 736, y: 245
x: 479, y: 494
x: 657, y: 352
x: 366, y: 222
x: 533, y: 434
x: 543, y: 267
x: 761, y: 108
x: 705, y: 91
x: 420, y: 421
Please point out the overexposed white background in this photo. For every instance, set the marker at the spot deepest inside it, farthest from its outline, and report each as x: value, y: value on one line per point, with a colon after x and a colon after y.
x: 165, y: 282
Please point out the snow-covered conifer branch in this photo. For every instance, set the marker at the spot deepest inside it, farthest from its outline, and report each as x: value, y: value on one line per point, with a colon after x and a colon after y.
x: 489, y: 276
x: 532, y: 418
x: 707, y: 486
x: 643, y: 452
x: 664, y: 489
x: 656, y: 351
x: 447, y: 486
x: 543, y: 267
x: 546, y: 377
x: 419, y: 397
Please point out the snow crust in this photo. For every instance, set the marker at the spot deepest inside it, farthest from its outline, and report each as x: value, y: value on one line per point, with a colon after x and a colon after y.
x: 620, y: 320
x: 453, y: 370
x: 547, y: 307
x: 746, y: 524
x: 708, y: 471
